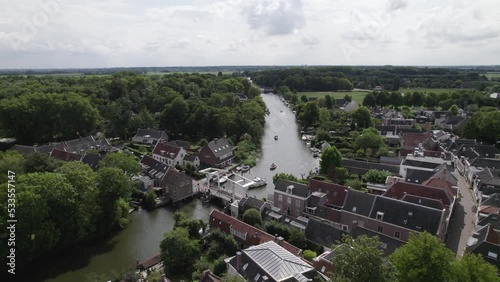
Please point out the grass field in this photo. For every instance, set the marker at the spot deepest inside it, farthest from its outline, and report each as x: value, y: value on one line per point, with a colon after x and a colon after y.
x: 357, y: 96
x: 492, y: 75
x: 431, y: 90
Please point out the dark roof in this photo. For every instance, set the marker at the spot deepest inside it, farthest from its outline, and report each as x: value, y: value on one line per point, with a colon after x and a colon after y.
x: 155, y: 169
x: 328, y: 213
x: 493, y: 200
x: 165, y: 149
x: 220, y: 147
x: 485, y: 240
x: 488, y: 180
x: 47, y: 149
x: 472, y: 151
x: 79, y: 141
x: 335, y: 193
x: 453, y: 120
x: 492, y: 219
x: 414, y: 139
x: 316, y: 199
x: 65, y: 156
x: 486, y: 163
x: 189, y: 158
x: 323, y: 232
x: 149, y: 135
x: 208, y: 276
x: 431, y: 203
x: 361, y: 167
x: 408, y: 130
x: 359, y: 202
x: 180, y: 143
x: 152, y: 261
x: 251, y: 203
x: 385, y: 128
x: 390, y: 160
x: 92, y: 160
x: 387, y: 243
x: 407, y: 215
x: 417, y: 175
x: 420, y: 163
x: 440, y: 114
x: 24, y: 150
x: 297, y: 189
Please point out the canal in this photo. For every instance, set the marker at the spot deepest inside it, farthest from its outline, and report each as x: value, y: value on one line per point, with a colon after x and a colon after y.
x: 141, y: 239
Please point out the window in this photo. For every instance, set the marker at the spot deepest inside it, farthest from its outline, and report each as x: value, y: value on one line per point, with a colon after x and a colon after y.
x: 410, y: 213
x: 323, y: 269
x: 380, y: 215
x: 280, y: 198
x: 379, y: 229
x: 492, y: 255
x: 297, y: 203
x: 345, y: 227
x: 289, y: 200
x: 397, y: 234
x: 257, y: 277
x: 405, y: 221
x: 297, y: 212
x: 334, y: 194
x: 353, y: 209
x: 245, y: 266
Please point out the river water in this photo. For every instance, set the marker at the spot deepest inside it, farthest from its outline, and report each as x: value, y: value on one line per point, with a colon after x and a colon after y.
x: 141, y: 239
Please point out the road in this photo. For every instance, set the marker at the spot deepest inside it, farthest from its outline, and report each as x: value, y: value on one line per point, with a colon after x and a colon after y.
x: 462, y: 224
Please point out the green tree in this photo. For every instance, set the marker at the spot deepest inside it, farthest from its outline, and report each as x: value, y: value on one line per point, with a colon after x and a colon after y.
x: 174, y: 115
x: 40, y: 162
x: 361, y: 259
x: 297, y: 238
x: 473, y: 268
x: 330, y: 159
x: 348, y: 97
x: 220, y: 266
x: 219, y: 244
x: 355, y: 184
x: 284, y: 176
x: 190, y: 224
x: 376, y: 176
x: 10, y: 161
x: 154, y: 276
x: 369, y: 100
x: 453, y: 110
x: 369, y: 139
x: 309, y: 255
x: 423, y: 258
x: 149, y: 201
x: 310, y: 115
x: 396, y: 99
x: 276, y: 228
x: 179, y: 252
x: 341, y: 174
x: 144, y: 119
x: 362, y: 117
x: 127, y: 163
x: 328, y: 102
x: 252, y: 217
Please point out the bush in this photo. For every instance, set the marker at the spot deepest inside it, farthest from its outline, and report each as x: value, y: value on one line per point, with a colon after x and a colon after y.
x: 220, y: 266
x: 309, y: 255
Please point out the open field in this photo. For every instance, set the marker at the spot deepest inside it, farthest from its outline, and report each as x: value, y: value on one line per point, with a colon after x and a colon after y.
x: 431, y: 90
x: 492, y: 75
x: 357, y: 96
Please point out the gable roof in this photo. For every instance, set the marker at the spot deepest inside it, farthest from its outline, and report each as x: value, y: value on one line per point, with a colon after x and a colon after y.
x: 335, y: 193
x: 387, y: 243
x: 417, y: 175
x: 65, y: 156
x: 297, y: 189
x: 92, y: 160
x: 414, y: 139
x: 492, y: 219
x: 323, y: 232
x: 190, y: 158
x: 359, y: 202
x: 440, y: 183
x: 493, y: 200
x: 180, y: 143
x: 407, y: 215
x: 165, y: 149
x: 485, y: 163
x: 155, y: 169
x: 399, y: 189
x: 251, y: 203
x: 361, y: 167
x: 420, y: 163
x: 150, y: 135
x: 276, y: 261
x: 428, y: 202
x: 254, y: 235
x: 220, y: 147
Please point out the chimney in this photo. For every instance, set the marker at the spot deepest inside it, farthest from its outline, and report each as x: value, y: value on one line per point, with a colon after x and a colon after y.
x: 280, y: 240
x: 238, y: 260
x: 215, y: 140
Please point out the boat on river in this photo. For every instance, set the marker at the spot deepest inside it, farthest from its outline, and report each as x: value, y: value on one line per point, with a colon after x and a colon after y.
x: 275, y: 137
x: 245, y: 168
x: 273, y: 166
x: 222, y: 180
x: 258, y: 182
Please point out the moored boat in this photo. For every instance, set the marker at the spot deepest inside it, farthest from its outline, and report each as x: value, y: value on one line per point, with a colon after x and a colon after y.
x: 273, y: 166
x: 258, y: 182
x: 245, y: 168
x: 275, y: 137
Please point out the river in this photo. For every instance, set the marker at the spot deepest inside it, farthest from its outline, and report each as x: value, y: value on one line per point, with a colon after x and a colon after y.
x: 141, y: 239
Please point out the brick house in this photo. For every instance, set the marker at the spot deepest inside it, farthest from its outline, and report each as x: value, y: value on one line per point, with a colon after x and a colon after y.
x: 291, y: 197
x: 217, y: 153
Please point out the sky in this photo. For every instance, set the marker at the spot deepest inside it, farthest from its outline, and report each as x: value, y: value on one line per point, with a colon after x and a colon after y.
x: 144, y: 33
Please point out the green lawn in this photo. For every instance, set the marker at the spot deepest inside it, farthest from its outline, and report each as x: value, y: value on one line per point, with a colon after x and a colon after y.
x: 431, y: 90
x: 492, y: 75
x: 357, y: 96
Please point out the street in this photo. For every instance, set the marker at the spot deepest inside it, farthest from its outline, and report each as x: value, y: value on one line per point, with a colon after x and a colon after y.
x: 462, y: 223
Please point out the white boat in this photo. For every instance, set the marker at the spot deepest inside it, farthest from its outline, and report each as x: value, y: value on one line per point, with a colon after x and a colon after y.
x: 258, y: 182
x: 245, y: 168
x: 222, y: 180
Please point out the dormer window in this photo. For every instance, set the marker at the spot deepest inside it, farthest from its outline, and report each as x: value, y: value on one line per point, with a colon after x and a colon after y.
x: 353, y: 209
x: 380, y: 215
x: 492, y: 255
x: 410, y: 213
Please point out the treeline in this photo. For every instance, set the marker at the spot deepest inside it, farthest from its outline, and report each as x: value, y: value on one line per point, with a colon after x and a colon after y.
x: 189, y: 106
x: 61, y: 204
x: 465, y: 99
x: 388, y: 77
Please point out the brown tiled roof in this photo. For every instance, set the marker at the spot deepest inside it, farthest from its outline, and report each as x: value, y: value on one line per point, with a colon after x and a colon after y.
x: 399, y: 189
x: 335, y: 193
x: 208, y: 276
x: 65, y: 156
x: 162, y: 148
x: 413, y: 139
x: 440, y: 183
x: 150, y: 262
x: 254, y: 236
x: 489, y: 210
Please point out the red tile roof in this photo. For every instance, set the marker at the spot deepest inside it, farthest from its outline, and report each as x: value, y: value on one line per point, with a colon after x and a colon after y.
x: 254, y: 236
x: 440, y: 183
x: 65, y: 156
x: 489, y: 209
x: 335, y: 193
x: 413, y: 139
x: 399, y: 189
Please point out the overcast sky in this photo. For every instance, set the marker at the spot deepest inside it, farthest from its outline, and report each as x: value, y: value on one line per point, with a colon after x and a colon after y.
x: 116, y: 33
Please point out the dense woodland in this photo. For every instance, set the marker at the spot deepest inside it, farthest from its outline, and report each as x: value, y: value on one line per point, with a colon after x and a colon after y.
x: 387, y: 77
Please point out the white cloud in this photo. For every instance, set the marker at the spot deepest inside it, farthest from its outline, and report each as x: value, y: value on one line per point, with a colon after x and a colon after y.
x: 275, y: 17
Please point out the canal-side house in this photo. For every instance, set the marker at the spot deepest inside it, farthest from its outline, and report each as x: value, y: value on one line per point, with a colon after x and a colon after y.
x: 245, y: 234
x: 291, y: 197
x: 175, y: 185
x: 168, y: 154
x: 217, y: 153
x: 149, y: 136
x: 269, y: 262
x: 485, y: 240
x: 487, y: 182
x: 65, y: 156
x: 192, y: 160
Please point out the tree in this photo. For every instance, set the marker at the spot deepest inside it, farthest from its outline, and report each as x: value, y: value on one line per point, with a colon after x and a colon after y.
x: 149, y: 201
x: 310, y: 115
x: 174, y: 115
x: 376, y: 176
x: 362, y: 117
x: 348, y: 97
x: 369, y: 100
x: 297, y: 238
x: 275, y: 228
x: 219, y: 244
x: 361, y: 259
x: 328, y: 102
x: 193, y: 226
x: 252, y: 217
x: 309, y: 255
x: 127, y: 163
x: 423, y: 258
x: 179, y: 252
x: 453, y: 110
x: 473, y: 268
x: 284, y: 176
x: 396, y: 99
x: 10, y: 161
x: 369, y: 139
x: 330, y: 159
x: 355, y: 184
x: 40, y: 162
x: 144, y: 119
